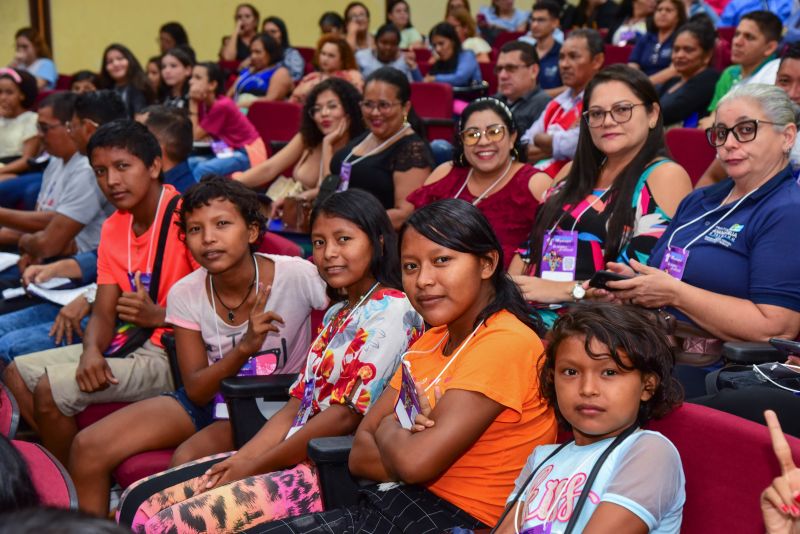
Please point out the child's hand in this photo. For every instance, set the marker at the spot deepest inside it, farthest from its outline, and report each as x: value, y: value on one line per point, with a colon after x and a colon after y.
x: 423, y: 421
x: 229, y: 470
x: 780, y: 502
x: 261, y: 322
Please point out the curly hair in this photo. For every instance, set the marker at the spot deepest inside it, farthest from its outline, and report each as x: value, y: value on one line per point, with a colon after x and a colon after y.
x: 348, y: 96
x: 216, y: 187
x: 346, y: 56
x: 629, y: 331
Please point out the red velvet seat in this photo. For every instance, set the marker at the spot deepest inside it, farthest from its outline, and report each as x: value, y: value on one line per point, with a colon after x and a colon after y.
x: 616, y: 54
x: 276, y: 122
x: 722, y: 55
x: 51, y: 480
x: 726, y: 32
x: 689, y: 147
x: 506, y: 37
x: 64, y: 82
x: 433, y: 101
x: 307, y: 54
x: 423, y: 57
x: 488, y: 75
x: 276, y: 244
x: 9, y: 413
x: 728, y: 462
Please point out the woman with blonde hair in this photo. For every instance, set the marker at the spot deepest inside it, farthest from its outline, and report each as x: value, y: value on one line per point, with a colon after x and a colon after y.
x: 461, y: 19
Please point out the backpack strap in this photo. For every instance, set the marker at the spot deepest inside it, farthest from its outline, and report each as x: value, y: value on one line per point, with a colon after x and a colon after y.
x: 166, y: 221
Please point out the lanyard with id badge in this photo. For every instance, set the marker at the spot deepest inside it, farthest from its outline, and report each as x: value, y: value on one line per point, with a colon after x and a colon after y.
x: 407, y: 405
x: 560, y: 248
x: 675, y: 258
x: 146, y: 276
x: 346, y: 169
x: 307, y: 402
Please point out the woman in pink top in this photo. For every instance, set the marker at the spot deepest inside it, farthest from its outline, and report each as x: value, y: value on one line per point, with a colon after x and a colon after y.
x: 235, y: 141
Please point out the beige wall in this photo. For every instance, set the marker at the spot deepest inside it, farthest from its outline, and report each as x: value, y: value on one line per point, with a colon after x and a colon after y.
x: 81, y: 29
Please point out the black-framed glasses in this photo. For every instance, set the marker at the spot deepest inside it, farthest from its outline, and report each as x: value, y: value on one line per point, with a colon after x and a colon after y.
x: 511, y: 68
x: 493, y: 133
x: 744, y: 132
x: 620, y: 113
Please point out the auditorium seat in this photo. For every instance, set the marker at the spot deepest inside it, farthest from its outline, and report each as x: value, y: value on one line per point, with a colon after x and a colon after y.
x: 689, y: 147
x: 617, y: 54
x: 433, y: 102
x: 52, y: 482
x: 9, y: 413
x: 276, y: 122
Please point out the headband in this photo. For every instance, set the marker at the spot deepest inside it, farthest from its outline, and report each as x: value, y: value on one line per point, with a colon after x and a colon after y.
x: 11, y: 73
x: 493, y: 100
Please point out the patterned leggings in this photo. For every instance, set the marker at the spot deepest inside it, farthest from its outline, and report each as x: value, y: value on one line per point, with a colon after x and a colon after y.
x: 186, y: 508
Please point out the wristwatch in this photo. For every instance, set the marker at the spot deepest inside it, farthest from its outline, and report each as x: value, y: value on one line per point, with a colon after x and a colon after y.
x: 578, y: 292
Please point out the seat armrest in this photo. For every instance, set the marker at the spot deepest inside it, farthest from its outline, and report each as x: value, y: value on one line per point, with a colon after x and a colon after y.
x: 168, y: 340
x: 748, y: 352
x: 337, y: 485
x: 269, y: 387
x: 252, y: 400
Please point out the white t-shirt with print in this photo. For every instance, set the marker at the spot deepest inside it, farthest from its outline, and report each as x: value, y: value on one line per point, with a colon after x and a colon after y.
x: 296, y: 290
x: 643, y: 475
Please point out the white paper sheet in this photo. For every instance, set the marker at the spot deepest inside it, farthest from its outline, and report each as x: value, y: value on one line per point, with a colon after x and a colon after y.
x: 61, y: 297
x: 7, y: 259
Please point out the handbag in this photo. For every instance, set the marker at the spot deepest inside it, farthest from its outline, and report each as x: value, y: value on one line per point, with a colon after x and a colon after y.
x: 128, y: 337
x: 296, y: 215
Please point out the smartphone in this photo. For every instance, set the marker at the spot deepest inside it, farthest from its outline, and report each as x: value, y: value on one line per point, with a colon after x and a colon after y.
x: 601, y: 278
x: 786, y: 346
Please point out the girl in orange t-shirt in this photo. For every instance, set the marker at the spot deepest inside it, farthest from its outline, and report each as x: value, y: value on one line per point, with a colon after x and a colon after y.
x: 479, y: 412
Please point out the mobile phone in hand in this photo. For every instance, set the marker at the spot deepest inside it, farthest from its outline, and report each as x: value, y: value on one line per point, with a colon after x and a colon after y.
x: 601, y: 278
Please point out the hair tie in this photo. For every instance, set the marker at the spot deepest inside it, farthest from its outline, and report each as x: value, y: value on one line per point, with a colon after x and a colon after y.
x: 495, y: 101
x: 11, y: 73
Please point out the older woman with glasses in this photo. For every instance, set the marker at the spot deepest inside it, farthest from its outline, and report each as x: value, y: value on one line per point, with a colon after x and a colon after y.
x: 724, y: 268
x: 391, y: 159
x: 615, y: 199
x: 486, y: 172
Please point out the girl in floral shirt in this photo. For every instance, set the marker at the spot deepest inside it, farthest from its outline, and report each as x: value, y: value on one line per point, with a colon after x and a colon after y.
x: 355, y: 354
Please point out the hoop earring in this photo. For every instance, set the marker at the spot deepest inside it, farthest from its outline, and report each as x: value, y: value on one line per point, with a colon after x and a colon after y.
x: 461, y: 160
x: 514, y: 153
x: 405, y: 118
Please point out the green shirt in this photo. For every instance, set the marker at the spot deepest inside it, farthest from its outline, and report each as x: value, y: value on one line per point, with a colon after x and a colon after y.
x: 730, y: 78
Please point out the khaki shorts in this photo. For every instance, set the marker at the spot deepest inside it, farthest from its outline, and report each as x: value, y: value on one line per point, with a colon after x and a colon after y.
x: 142, y: 374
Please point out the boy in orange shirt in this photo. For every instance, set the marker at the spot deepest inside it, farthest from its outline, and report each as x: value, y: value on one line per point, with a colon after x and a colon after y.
x: 52, y: 386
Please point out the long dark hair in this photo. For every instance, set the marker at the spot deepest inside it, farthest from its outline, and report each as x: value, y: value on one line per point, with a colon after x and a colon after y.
x: 277, y: 21
x: 349, y: 98
x: 632, y: 331
x: 681, y: 10
x: 588, y: 162
x: 136, y: 76
x: 443, y: 29
x: 460, y: 226
x: 186, y: 60
x: 396, y: 78
x: 366, y: 212
x: 272, y: 47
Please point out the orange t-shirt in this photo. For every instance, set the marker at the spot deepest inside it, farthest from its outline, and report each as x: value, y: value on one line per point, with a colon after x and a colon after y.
x: 500, y: 362
x: 112, y: 254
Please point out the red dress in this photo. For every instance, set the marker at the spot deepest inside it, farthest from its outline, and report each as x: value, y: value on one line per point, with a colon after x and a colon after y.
x: 511, y: 210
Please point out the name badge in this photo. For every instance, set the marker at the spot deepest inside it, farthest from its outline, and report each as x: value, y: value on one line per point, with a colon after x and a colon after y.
x: 674, y: 261
x: 259, y: 365
x: 407, y: 405
x: 221, y: 149
x: 305, y: 408
x: 344, y: 174
x: 145, y: 278
x: 559, y: 255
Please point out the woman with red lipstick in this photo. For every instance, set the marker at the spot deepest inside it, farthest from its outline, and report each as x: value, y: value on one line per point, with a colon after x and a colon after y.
x: 615, y: 199
x: 474, y: 374
x: 364, y: 335
x: 607, y: 371
x: 331, y: 118
x: 485, y: 172
x: 392, y: 159
x: 721, y: 268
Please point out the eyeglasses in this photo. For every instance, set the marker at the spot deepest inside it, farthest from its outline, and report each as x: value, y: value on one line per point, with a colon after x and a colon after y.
x: 493, y: 133
x: 360, y: 16
x: 510, y: 68
x: 72, y: 127
x: 620, y: 113
x: 744, y: 132
x: 368, y: 106
x: 43, y: 127
x: 317, y: 110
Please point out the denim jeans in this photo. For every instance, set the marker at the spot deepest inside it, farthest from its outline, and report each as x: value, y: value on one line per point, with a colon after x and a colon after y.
x: 26, y: 331
x: 239, y: 161
x: 14, y: 192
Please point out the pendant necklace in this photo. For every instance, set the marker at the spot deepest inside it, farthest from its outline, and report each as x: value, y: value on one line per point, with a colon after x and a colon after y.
x: 231, y: 311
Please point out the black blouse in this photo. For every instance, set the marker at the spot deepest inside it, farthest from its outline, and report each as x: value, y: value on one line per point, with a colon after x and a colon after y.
x: 375, y: 173
x: 692, y: 97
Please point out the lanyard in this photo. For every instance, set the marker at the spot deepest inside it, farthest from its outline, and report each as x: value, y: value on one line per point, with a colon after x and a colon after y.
x: 486, y: 191
x: 377, y: 148
x: 578, y: 218
x: 711, y: 227
x: 152, y: 235
x: 349, y: 315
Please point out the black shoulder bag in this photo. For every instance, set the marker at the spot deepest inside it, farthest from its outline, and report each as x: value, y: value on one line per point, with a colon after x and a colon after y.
x: 586, y: 487
x: 129, y: 337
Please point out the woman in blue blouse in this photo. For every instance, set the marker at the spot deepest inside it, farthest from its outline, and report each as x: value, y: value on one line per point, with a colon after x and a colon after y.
x: 653, y: 50
x: 502, y: 16
x: 266, y: 78
x: 455, y: 66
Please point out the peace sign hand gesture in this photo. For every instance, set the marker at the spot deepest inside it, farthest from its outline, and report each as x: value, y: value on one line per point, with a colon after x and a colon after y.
x: 261, y: 322
x: 780, y: 502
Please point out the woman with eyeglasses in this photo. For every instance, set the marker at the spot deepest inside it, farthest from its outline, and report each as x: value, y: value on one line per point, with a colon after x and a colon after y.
x: 613, y: 201
x: 486, y: 172
x: 333, y: 59
x: 331, y: 117
x: 391, y: 159
x: 725, y: 267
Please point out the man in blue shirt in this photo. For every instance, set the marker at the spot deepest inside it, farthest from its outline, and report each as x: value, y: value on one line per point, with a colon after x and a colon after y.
x: 173, y: 129
x: 544, y: 24
x: 736, y: 9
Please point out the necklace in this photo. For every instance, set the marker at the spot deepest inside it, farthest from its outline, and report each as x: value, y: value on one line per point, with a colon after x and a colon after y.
x: 231, y: 311
x: 488, y: 189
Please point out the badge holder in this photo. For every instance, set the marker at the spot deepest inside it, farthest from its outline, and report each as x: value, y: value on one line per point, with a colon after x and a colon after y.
x: 344, y: 176
x: 559, y: 255
x: 674, y: 261
x: 305, y: 408
x: 407, y: 405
